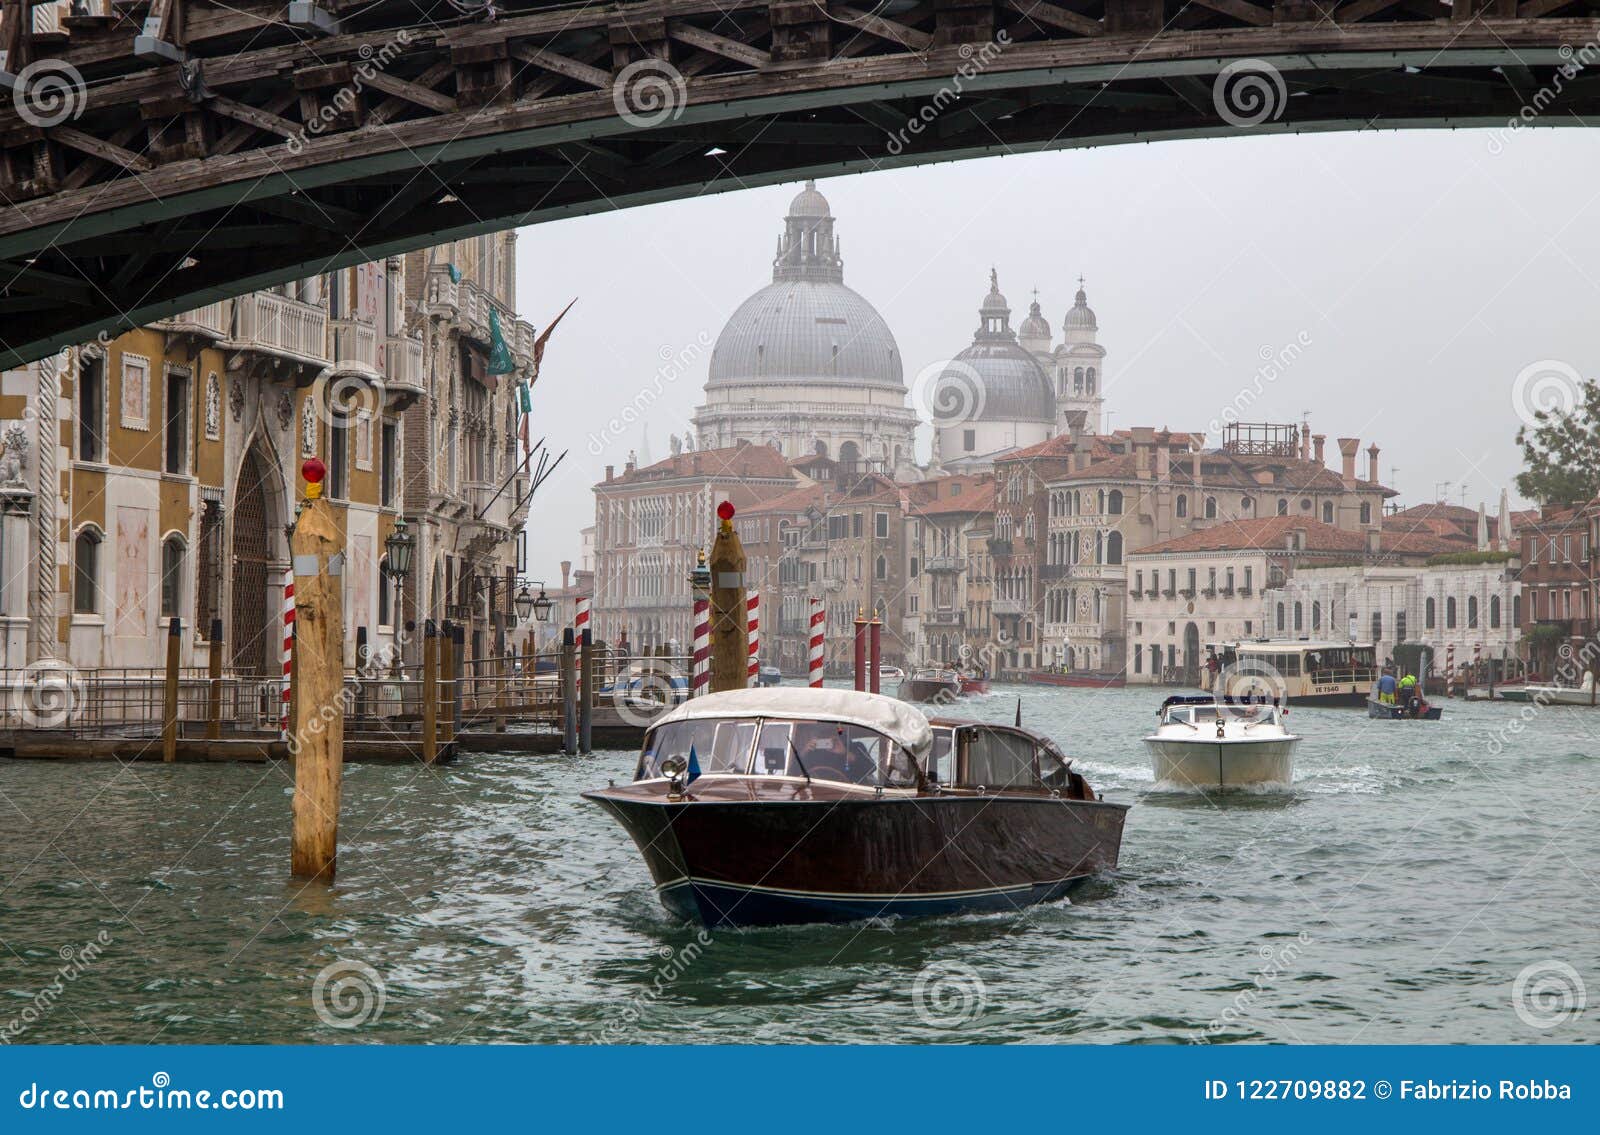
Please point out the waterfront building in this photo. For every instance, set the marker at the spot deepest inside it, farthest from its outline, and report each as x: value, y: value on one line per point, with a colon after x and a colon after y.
x: 949, y: 532
x: 154, y: 475
x: 1560, y: 564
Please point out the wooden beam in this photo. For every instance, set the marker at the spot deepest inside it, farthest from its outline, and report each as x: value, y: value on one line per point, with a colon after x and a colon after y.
x: 717, y: 44
x: 891, y: 30
x: 100, y: 148
x: 241, y: 134
x: 26, y: 278
x: 411, y: 92
x: 79, y: 177
x: 561, y: 65
x: 1240, y: 10
x: 1361, y: 10
x: 1192, y: 91
x: 260, y: 119
x: 1054, y: 16
x: 429, y: 79
x: 1534, y: 8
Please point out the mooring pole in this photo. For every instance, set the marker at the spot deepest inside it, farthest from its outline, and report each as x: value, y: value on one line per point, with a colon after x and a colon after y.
x: 730, y: 633
x: 361, y: 671
x: 586, y: 698
x: 214, y: 698
x: 569, y: 694
x: 447, y: 685
x: 458, y: 651
x: 317, y: 731
x: 874, y: 652
x: 861, y: 650
x: 169, y: 707
x: 428, y: 690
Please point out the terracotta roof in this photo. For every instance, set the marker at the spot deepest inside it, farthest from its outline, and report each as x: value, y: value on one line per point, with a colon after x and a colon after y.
x: 796, y: 500
x: 977, y: 495
x: 735, y: 461
x: 1223, y: 470
x: 1265, y: 533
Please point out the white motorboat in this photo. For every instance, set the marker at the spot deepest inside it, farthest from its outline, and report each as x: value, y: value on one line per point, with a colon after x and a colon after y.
x: 1584, y: 694
x: 1202, y: 743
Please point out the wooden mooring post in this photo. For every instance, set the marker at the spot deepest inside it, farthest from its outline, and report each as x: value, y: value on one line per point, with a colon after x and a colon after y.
x: 169, y: 705
x: 214, y: 691
x: 569, y: 694
x: 316, y: 737
x: 730, y: 635
x: 428, y: 693
x: 586, y: 696
x: 444, y: 689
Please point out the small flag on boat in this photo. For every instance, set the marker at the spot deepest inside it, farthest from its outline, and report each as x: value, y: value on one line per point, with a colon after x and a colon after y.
x: 694, y: 766
x: 500, y: 360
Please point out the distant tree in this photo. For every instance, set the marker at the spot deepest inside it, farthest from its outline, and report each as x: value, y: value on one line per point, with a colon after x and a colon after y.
x: 1561, y: 451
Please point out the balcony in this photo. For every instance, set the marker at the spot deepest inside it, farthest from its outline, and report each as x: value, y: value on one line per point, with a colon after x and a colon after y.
x: 352, y: 341
x: 214, y: 321
x: 1055, y: 571
x: 1009, y: 607
x: 944, y: 564
x: 281, y: 327
x: 402, y: 369
x: 945, y: 617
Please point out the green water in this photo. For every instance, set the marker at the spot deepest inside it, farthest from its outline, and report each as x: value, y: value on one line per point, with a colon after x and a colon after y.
x: 1395, y: 895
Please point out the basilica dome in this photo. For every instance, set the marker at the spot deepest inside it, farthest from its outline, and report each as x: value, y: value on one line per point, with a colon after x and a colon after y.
x: 806, y: 324
x: 1010, y: 384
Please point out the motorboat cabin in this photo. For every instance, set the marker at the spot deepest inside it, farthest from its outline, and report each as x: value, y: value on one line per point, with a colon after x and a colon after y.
x: 1202, y: 743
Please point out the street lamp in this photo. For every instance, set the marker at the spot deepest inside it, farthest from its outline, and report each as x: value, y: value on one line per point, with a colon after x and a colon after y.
x: 400, y: 545
x: 526, y: 604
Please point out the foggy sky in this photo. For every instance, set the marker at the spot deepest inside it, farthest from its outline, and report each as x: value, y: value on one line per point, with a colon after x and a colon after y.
x: 1424, y: 270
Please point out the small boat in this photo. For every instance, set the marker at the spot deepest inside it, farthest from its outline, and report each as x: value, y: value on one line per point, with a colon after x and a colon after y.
x: 1085, y: 679
x: 890, y: 674
x: 973, y: 683
x: 1203, y: 743
x: 794, y: 805
x: 770, y: 676
x: 647, y: 684
x: 930, y: 685
x: 1418, y: 710
x: 1584, y: 694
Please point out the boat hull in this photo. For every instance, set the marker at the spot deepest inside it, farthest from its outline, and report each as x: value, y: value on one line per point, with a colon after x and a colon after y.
x: 1204, y: 764
x: 1385, y: 711
x: 1084, y: 680
x: 928, y: 690
x: 792, y: 853
x: 974, y: 685
x: 1559, y: 695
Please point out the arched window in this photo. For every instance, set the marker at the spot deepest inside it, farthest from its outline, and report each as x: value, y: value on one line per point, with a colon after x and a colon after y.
x: 882, y: 568
x: 1283, y: 506
x: 1400, y: 626
x: 1327, y: 512
x: 1114, y: 548
x: 1088, y: 384
x: 1280, y: 616
x: 86, y: 572
x: 1077, y: 379
x: 1472, y: 612
x: 172, y: 576
x: 1450, y: 613
x: 1377, y: 625
x: 1099, y: 547
x: 1211, y: 508
x: 1428, y: 615
x: 1182, y: 505
x: 1102, y: 502
x: 1494, y: 612
x: 1114, y: 502
x: 1316, y: 615
x: 1366, y: 512
x: 1299, y: 611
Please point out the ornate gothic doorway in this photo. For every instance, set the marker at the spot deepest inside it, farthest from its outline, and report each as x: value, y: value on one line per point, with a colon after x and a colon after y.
x: 254, y: 622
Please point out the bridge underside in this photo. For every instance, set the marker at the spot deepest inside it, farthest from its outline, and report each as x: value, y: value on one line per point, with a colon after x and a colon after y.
x: 166, y: 193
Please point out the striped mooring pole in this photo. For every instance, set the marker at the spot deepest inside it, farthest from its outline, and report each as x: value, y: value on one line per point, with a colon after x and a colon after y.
x: 700, y: 672
x: 816, y: 641
x: 288, y: 656
x: 580, y: 623
x: 752, y: 608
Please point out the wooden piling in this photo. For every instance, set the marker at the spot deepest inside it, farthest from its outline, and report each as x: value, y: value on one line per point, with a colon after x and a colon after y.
x: 861, y: 651
x: 447, y: 682
x: 214, y: 693
x: 169, y: 707
x: 317, y: 730
x: 730, y: 634
x: 569, y: 694
x: 458, y: 652
x: 874, y: 652
x: 586, y: 698
x: 362, y: 656
x: 428, y: 692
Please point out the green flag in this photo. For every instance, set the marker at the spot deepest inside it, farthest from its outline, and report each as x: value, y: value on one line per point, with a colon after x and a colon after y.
x: 455, y: 273
x: 524, y: 398
x: 500, y: 360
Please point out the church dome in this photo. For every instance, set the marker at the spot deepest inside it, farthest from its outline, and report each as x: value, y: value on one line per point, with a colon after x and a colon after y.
x: 1013, y: 386
x: 1081, y: 316
x: 1036, y: 326
x: 806, y: 324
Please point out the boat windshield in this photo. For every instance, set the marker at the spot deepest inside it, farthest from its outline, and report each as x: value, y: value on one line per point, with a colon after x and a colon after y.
x: 822, y: 750
x: 1208, y: 714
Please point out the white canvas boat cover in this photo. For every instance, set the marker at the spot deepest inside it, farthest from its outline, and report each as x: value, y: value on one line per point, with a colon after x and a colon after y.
x: 904, y: 724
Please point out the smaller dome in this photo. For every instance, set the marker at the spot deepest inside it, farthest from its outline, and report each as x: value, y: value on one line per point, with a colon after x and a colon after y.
x: 1081, y: 316
x: 809, y: 203
x: 994, y: 303
x: 1036, y: 326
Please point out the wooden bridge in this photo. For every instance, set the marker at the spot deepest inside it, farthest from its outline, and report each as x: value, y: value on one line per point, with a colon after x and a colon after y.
x: 158, y: 155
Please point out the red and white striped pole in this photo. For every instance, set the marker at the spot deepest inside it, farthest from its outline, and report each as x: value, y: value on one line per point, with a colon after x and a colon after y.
x: 288, y: 655
x: 816, y: 642
x: 580, y: 623
x: 752, y: 608
x: 1450, y: 670
x: 700, y: 672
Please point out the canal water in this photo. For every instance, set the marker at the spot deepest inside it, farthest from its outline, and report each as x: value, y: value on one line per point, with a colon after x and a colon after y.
x: 1421, y: 883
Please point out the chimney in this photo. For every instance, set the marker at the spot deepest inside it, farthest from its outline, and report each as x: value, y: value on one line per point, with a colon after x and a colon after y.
x: 1372, y: 463
x: 1374, y: 541
x: 1141, y: 443
x: 1318, y: 440
x: 566, y: 570
x: 1163, y: 463
x: 610, y: 471
x: 1305, y: 441
x: 1348, y: 447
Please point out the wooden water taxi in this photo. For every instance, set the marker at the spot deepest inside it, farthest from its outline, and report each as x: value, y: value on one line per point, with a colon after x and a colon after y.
x: 931, y: 685
x: 788, y: 805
